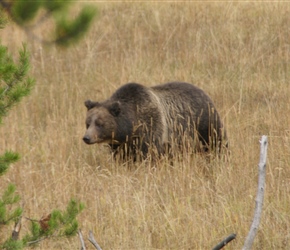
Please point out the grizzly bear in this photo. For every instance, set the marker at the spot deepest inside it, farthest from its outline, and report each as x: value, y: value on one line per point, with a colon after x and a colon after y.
x: 138, y: 118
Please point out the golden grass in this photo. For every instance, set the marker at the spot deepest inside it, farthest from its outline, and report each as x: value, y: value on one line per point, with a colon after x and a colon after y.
x: 237, y: 52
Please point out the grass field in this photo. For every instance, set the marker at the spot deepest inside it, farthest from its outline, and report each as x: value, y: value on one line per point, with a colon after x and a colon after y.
x: 239, y: 53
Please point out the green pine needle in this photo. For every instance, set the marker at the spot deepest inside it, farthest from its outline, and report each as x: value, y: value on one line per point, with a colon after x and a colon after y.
x: 15, y: 84
x: 9, y: 198
x: 68, y: 31
x: 7, y: 159
x: 11, y: 244
x: 56, y: 5
x: 24, y: 11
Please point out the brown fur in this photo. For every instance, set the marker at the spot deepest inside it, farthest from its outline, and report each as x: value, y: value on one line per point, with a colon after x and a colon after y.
x: 136, y: 117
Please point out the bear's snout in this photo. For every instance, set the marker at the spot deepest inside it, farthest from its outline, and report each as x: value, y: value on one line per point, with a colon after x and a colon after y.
x: 86, y: 139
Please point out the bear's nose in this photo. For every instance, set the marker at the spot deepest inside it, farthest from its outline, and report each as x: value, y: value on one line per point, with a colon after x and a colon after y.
x: 86, y: 139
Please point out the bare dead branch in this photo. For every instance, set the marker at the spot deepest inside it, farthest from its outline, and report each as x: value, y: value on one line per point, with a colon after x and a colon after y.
x: 36, y: 241
x: 83, y: 247
x: 224, y: 242
x: 260, y: 195
x: 30, y: 219
x: 93, y: 241
x: 32, y: 35
x: 16, y: 230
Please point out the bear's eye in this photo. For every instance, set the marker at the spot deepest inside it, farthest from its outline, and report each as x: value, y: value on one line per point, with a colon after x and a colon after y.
x: 88, y: 122
x: 98, y: 123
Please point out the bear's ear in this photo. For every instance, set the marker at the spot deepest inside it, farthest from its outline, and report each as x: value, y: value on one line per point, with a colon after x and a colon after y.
x: 114, y: 108
x: 89, y: 104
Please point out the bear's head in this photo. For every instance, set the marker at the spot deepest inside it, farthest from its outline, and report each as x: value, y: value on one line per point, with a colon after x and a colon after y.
x: 101, y: 121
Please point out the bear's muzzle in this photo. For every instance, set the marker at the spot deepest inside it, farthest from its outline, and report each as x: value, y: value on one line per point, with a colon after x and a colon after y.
x: 87, y: 139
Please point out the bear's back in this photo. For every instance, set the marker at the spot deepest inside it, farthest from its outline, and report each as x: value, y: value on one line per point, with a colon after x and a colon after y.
x: 131, y: 93
x: 186, y: 91
x: 180, y: 98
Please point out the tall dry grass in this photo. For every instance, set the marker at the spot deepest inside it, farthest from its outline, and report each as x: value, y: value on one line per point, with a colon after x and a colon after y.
x: 237, y: 52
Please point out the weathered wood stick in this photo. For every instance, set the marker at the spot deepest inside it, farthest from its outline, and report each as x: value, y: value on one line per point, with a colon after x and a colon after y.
x: 260, y: 195
x: 224, y: 242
